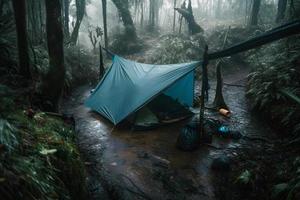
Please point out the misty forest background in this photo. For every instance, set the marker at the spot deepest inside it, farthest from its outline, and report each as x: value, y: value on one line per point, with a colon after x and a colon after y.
x: 50, y: 47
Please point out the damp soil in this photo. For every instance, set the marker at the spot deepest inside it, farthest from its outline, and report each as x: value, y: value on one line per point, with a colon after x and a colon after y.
x: 126, y: 164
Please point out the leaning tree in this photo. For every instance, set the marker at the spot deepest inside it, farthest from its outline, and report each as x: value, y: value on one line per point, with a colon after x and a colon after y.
x: 123, y: 9
x: 187, y: 14
x: 80, y: 11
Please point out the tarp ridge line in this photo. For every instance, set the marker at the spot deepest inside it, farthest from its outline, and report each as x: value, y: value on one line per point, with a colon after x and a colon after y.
x: 272, y: 35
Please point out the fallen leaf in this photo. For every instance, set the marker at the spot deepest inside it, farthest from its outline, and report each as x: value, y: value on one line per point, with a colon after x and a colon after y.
x: 48, y: 151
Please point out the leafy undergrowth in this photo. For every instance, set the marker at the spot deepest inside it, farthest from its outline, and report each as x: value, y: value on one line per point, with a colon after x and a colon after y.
x: 178, y: 49
x: 254, y: 175
x: 81, y: 66
x: 124, y: 46
x: 273, y: 82
x: 234, y: 34
x: 222, y: 37
x: 39, y: 158
x: 270, y: 170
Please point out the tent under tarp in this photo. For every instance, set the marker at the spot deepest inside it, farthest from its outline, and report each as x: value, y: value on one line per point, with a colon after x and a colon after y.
x: 161, y: 110
x: 128, y: 86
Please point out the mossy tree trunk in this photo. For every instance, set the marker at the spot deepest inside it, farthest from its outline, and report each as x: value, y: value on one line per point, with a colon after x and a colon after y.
x: 66, y: 18
x: 294, y: 9
x: 101, y: 68
x: 152, y: 14
x: 142, y: 14
x: 255, y: 12
x: 80, y: 11
x: 36, y: 22
x: 123, y: 9
x: 22, y: 38
x: 104, y: 6
x: 174, y: 16
x: 53, y: 82
x: 281, y: 8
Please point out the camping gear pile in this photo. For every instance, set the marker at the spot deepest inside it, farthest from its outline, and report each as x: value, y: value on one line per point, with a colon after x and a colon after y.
x: 190, y: 136
x: 147, y: 96
x: 161, y: 110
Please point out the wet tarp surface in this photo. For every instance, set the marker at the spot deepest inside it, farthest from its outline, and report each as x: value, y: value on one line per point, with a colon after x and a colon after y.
x: 128, y: 86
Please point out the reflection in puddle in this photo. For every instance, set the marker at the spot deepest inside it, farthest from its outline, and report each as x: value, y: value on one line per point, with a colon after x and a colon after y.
x: 150, y: 159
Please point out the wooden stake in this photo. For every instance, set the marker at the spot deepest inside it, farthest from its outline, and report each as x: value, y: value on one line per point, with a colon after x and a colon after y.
x: 101, y: 69
x: 202, y: 103
x: 219, y: 101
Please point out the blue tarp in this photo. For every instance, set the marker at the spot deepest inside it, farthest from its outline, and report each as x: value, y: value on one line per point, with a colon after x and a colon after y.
x: 128, y: 86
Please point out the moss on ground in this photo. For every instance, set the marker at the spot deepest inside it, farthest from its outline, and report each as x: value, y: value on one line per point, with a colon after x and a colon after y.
x: 38, y: 155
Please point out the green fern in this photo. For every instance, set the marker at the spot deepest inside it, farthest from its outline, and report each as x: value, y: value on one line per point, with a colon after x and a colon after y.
x: 8, y: 136
x: 272, y: 82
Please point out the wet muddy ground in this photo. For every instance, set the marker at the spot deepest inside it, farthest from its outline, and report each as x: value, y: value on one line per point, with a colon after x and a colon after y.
x: 125, y: 164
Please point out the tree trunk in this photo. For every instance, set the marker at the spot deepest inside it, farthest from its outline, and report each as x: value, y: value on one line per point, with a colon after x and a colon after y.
x: 218, y: 10
x: 104, y: 22
x: 80, y: 10
x: 66, y: 18
x: 294, y: 9
x: 123, y: 8
x: 151, y: 14
x: 254, y: 13
x: 22, y: 40
x: 180, y: 24
x: 33, y: 25
x: 187, y: 13
x: 281, y: 10
x: 42, y: 21
x: 142, y: 14
x: 101, y: 68
x: 174, y: 17
x: 53, y: 82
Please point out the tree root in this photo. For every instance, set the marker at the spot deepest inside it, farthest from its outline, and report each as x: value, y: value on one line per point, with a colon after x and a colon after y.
x: 139, y: 191
x: 258, y: 139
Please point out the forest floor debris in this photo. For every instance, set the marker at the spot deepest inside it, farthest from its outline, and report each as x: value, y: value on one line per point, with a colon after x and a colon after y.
x: 132, y: 152
x: 38, y: 154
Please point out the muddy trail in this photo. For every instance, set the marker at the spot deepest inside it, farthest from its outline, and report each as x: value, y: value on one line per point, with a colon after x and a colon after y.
x: 126, y: 164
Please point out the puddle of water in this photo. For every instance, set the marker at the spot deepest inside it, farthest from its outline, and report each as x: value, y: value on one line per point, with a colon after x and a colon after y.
x: 150, y: 159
